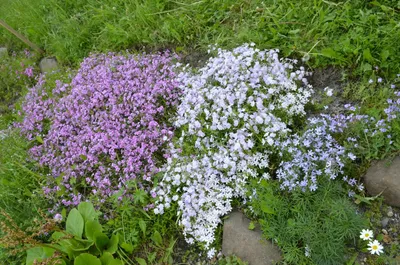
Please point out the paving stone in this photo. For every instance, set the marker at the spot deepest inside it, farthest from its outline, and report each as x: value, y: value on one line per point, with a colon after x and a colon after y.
x: 48, y: 65
x: 384, y: 176
x: 248, y: 245
x: 3, y: 52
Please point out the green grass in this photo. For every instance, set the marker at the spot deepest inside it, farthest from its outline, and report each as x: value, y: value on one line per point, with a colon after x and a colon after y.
x: 13, y: 80
x: 20, y: 185
x: 356, y: 34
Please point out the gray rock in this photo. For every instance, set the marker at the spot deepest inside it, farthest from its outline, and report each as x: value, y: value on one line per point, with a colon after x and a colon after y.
x: 384, y: 176
x: 48, y: 65
x: 3, y: 135
x: 248, y: 245
x: 3, y: 52
x: 389, y: 212
x: 384, y: 222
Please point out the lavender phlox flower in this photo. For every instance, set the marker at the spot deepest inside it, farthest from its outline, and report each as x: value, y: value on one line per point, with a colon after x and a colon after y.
x: 102, y: 129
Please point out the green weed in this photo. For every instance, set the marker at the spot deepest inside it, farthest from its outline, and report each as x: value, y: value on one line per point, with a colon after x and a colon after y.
x: 17, y: 71
x: 358, y: 34
x: 20, y: 182
x: 310, y: 228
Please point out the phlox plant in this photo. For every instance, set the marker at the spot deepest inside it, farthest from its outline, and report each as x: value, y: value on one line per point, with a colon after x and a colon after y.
x: 233, y: 110
x: 314, y: 153
x: 105, y: 128
x: 369, y: 134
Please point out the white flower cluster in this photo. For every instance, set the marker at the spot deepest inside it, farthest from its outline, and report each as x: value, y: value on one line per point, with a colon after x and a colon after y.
x: 233, y: 110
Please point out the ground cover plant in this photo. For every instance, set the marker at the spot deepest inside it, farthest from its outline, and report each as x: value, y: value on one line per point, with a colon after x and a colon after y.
x: 240, y: 117
x: 232, y: 110
x: 105, y: 128
x: 164, y: 151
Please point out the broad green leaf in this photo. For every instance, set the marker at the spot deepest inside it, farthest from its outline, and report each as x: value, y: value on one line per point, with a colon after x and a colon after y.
x: 367, y: 55
x: 58, y: 235
x: 39, y: 139
x: 266, y: 208
x: 64, y: 213
x: 75, y: 223
x: 38, y: 254
x: 116, y: 262
x: 251, y: 226
x: 366, y: 67
x: 353, y: 259
x: 366, y: 200
x: 142, y: 225
x: 127, y: 247
x: 156, y: 237
x: 101, y: 240
x: 87, y: 211
x: 68, y: 247
x: 82, y: 245
x: 106, y: 258
x: 112, y: 245
x: 94, y: 251
x: 151, y: 257
x: 330, y: 53
x: 87, y: 259
x: 294, y: 31
x: 384, y: 55
x: 141, y: 261
x: 91, y: 227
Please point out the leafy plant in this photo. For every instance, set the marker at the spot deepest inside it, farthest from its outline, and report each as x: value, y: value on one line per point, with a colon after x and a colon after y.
x: 82, y: 243
x: 231, y: 260
x: 310, y: 228
x: 153, y: 237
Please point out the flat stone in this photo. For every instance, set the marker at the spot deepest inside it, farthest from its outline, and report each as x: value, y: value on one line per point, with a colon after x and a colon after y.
x: 384, y: 176
x: 248, y: 245
x: 3, y: 52
x: 384, y: 222
x: 48, y: 65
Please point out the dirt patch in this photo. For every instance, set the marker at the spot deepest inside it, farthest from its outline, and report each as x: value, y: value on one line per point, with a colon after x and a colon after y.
x: 325, y: 79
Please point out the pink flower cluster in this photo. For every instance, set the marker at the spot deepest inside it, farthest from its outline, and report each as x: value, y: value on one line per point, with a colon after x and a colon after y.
x: 105, y: 127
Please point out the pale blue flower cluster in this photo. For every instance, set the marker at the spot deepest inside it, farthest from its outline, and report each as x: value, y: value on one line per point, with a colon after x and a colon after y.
x: 233, y: 110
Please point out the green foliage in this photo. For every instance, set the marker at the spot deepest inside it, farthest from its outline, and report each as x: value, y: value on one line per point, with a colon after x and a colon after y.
x: 151, y: 237
x: 322, y: 221
x: 357, y: 34
x: 20, y: 184
x: 83, y: 242
x: 13, y: 79
x: 231, y: 260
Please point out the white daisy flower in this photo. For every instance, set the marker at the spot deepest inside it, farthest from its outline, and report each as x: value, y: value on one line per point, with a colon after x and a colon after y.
x: 366, y: 234
x: 375, y: 247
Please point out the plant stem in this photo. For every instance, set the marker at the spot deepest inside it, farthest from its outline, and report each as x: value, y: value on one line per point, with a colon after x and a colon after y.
x: 20, y: 36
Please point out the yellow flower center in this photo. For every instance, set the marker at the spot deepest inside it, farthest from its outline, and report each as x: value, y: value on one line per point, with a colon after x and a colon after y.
x: 366, y: 235
x: 374, y: 247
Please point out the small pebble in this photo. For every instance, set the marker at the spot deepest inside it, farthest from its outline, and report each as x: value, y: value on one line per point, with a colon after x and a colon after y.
x: 384, y: 231
x: 390, y: 212
x: 384, y: 221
